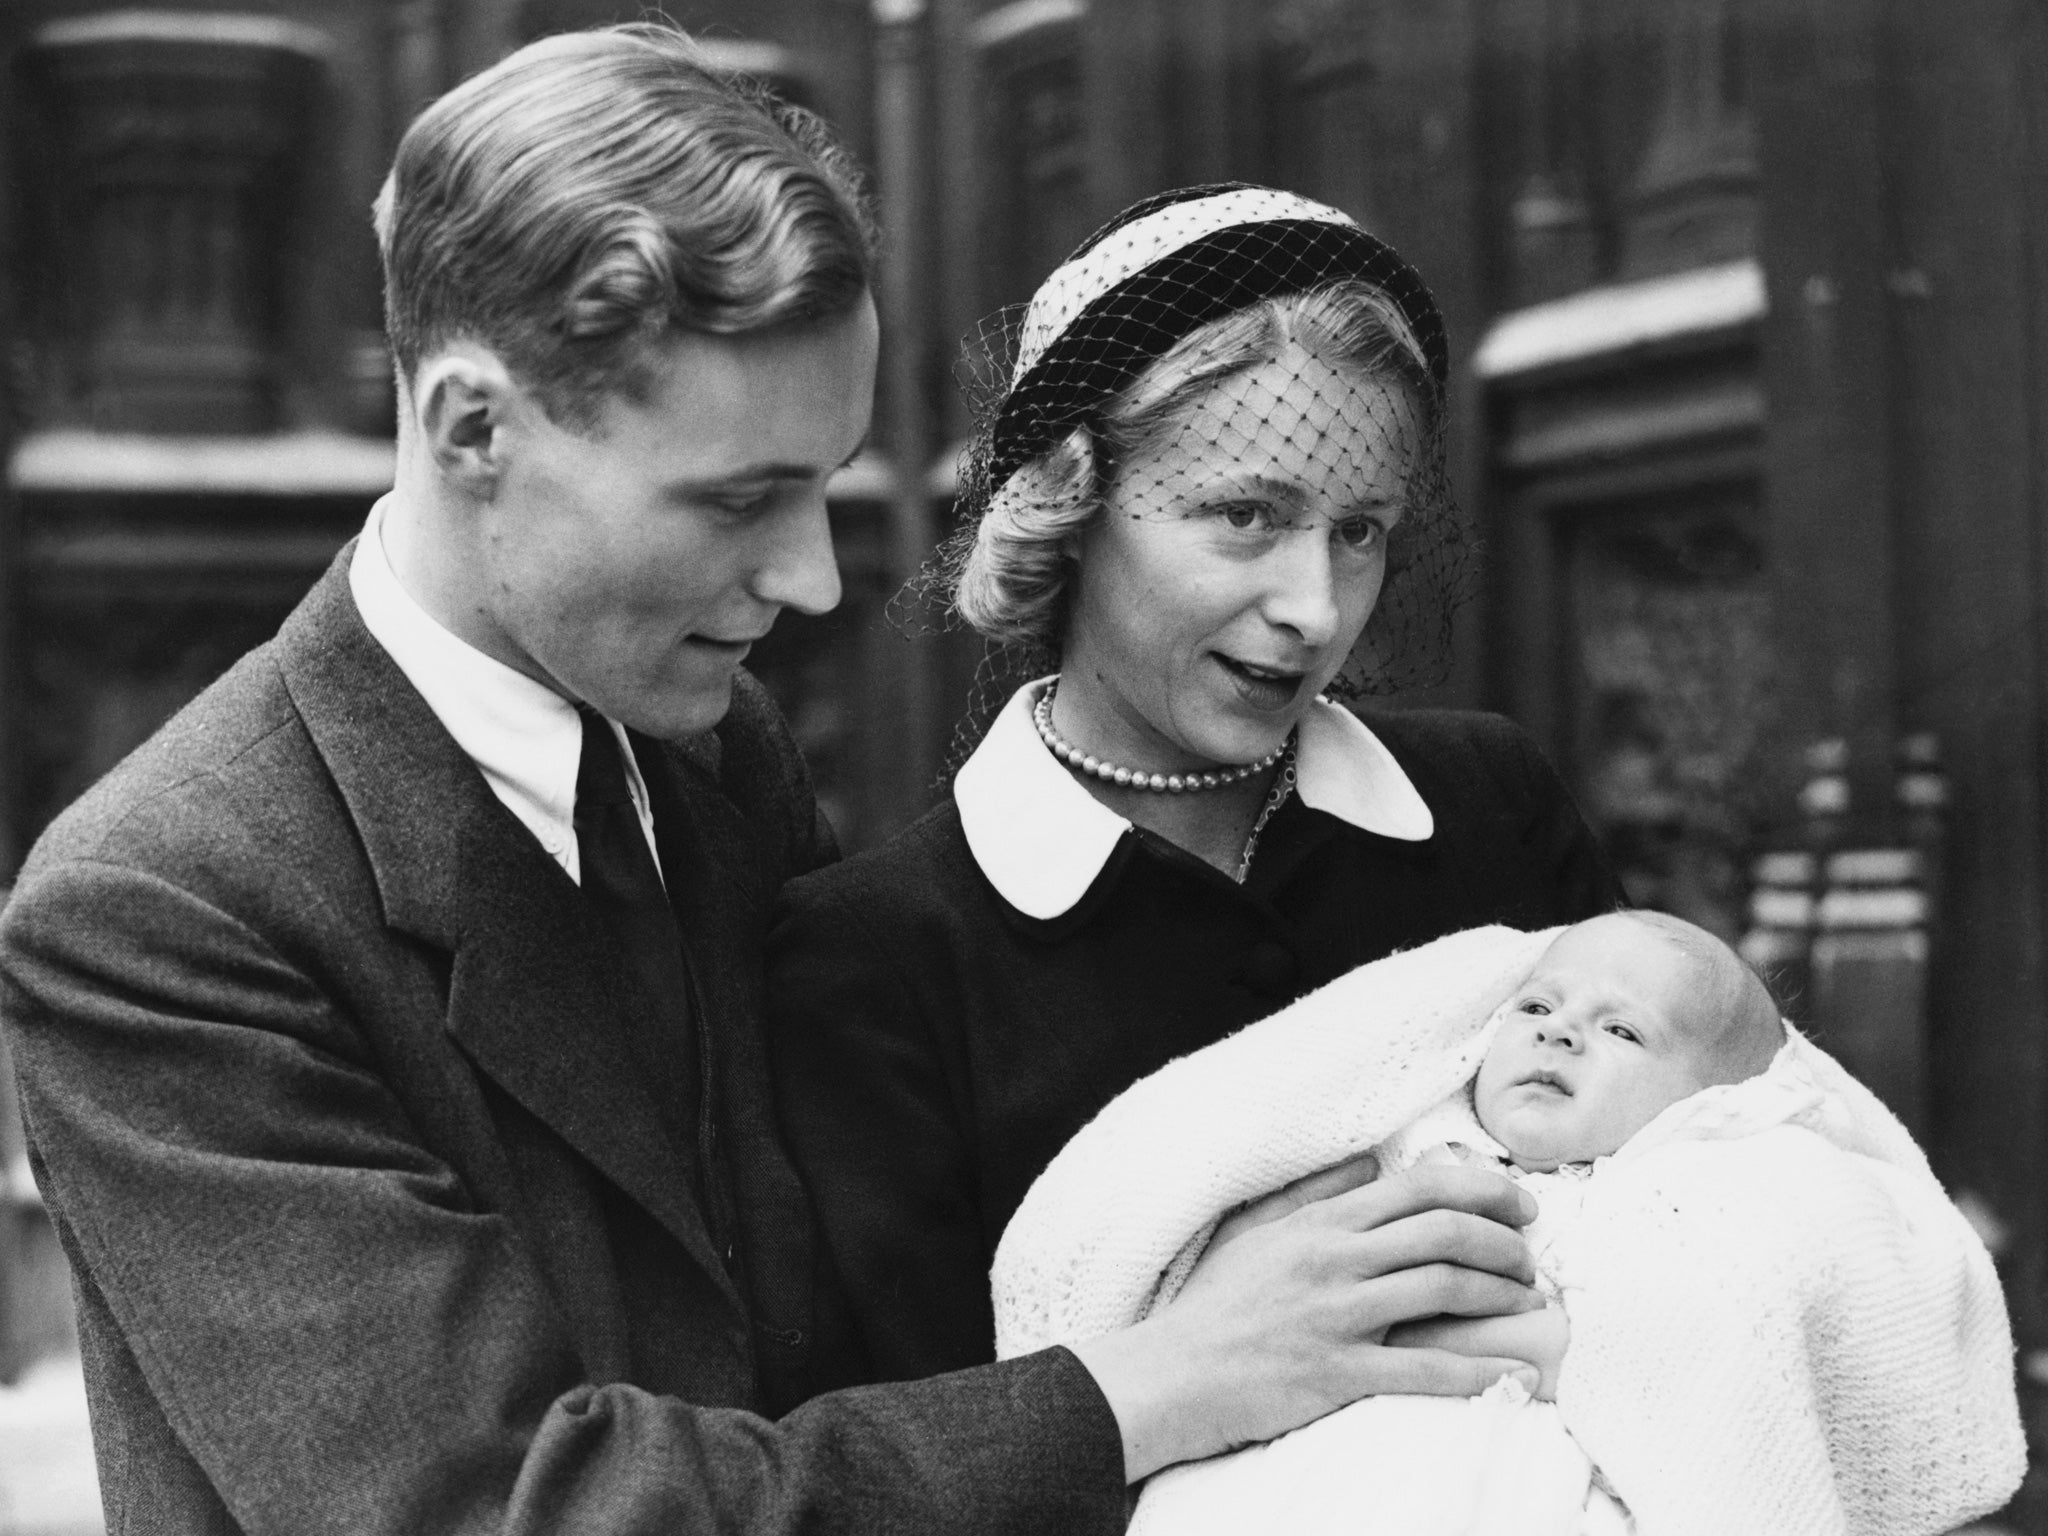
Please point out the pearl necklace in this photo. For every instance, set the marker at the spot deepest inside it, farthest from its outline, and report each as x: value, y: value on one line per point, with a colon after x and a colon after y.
x: 1131, y: 778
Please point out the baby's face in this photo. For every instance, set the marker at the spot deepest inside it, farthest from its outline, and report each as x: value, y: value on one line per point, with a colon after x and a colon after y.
x: 1594, y: 1044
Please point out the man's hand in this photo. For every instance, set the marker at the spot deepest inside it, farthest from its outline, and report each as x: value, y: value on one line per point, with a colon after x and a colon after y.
x: 1284, y: 1319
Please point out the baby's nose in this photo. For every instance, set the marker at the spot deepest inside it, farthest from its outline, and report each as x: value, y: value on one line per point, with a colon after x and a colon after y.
x: 1557, y: 1032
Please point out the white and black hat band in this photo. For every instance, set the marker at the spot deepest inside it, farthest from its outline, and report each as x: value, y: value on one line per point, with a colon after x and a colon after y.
x: 1164, y: 268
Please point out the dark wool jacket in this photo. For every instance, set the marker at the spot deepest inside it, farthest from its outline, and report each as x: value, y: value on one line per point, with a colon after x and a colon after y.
x: 374, y: 1227
x: 934, y: 1046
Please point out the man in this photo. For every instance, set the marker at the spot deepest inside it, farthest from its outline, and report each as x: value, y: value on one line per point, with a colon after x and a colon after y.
x: 388, y: 1025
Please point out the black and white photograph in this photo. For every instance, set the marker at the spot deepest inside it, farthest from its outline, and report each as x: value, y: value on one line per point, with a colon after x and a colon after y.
x: 1024, y: 767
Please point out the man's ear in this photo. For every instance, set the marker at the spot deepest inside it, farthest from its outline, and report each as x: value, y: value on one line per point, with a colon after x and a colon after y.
x: 462, y: 399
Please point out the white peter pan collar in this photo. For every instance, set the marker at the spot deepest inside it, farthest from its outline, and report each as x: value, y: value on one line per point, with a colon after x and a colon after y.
x: 1041, y: 839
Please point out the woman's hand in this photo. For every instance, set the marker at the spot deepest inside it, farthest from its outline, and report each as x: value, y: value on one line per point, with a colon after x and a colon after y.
x: 1284, y: 1320
x: 1537, y: 1337
x: 1289, y: 1198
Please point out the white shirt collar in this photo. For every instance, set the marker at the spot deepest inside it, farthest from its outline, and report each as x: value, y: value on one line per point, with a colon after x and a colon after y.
x: 1042, y: 839
x: 523, y: 736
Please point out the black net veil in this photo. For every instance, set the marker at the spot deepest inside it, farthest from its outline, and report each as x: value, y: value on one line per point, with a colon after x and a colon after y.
x: 1229, y: 354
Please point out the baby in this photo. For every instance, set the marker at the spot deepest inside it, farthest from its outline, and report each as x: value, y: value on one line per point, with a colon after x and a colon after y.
x: 1624, y: 1016
x: 1767, y: 1317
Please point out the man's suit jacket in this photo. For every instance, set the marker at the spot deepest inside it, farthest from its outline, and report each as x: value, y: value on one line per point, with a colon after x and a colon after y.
x: 373, y: 1224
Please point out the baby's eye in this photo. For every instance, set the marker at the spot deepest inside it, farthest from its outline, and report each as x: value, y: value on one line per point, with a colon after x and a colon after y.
x: 1623, y: 1032
x: 1536, y: 1006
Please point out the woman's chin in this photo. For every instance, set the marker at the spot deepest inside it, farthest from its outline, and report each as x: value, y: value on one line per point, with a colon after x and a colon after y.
x: 1231, y: 746
x: 1230, y: 724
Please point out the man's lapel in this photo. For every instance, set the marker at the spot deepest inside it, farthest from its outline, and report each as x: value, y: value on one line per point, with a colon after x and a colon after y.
x: 722, y: 884
x: 536, y: 993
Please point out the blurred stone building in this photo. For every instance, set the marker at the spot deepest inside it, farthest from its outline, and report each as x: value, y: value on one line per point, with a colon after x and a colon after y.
x: 1749, y: 310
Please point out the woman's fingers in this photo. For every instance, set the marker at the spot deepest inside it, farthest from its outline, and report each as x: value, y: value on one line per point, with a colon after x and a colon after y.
x: 1442, y: 1237
x: 1428, y: 1187
x: 1434, y: 1290
x: 1439, y: 1373
x: 1307, y: 1190
x: 1352, y: 1173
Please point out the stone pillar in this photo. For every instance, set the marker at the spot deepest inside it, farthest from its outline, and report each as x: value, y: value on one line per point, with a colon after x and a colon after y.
x: 902, y: 149
x: 1830, y: 368
x: 159, y: 232
x: 1693, y: 201
x: 1554, y: 241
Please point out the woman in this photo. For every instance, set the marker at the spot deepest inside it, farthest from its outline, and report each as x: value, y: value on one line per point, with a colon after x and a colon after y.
x: 1211, y: 492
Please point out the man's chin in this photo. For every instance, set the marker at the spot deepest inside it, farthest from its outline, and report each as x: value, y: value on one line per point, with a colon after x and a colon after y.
x: 677, y: 716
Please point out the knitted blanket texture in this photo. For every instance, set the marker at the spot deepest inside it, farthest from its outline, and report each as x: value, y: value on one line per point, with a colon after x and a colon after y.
x: 1779, y: 1322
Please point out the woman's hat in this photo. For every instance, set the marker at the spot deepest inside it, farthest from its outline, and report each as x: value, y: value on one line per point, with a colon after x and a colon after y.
x: 1162, y: 268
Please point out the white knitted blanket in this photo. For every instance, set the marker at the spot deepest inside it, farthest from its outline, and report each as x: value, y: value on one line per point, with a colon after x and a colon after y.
x: 1779, y: 1330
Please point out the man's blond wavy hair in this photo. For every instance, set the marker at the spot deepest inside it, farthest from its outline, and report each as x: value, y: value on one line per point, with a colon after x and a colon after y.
x: 596, y: 189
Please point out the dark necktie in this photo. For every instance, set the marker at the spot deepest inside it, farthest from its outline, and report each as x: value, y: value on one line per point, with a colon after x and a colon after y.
x: 623, y: 886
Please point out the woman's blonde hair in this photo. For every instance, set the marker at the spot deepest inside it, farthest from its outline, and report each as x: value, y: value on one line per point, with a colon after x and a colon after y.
x: 1011, y: 582
x: 596, y: 188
